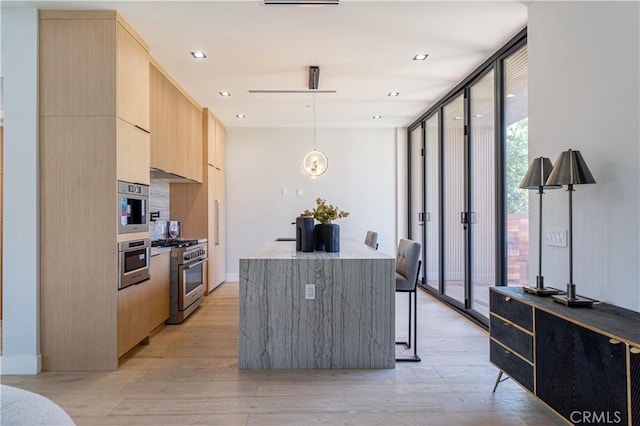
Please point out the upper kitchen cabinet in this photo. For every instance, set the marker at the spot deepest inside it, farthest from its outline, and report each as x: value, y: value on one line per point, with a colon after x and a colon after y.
x: 176, y: 128
x: 215, y: 139
x: 132, y: 78
x: 93, y: 64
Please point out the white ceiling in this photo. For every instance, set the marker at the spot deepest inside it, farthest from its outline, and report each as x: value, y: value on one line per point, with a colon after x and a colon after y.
x: 364, y: 50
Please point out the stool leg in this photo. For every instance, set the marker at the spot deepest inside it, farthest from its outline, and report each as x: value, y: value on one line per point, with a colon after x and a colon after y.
x: 409, y: 321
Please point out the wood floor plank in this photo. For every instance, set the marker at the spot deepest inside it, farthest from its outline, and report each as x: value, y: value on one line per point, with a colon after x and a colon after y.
x: 188, y: 374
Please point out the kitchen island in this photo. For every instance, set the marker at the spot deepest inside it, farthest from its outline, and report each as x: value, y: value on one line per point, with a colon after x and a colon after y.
x: 317, y: 310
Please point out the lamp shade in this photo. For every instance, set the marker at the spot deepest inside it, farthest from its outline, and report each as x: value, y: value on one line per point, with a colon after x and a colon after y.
x: 570, y: 169
x: 537, y: 174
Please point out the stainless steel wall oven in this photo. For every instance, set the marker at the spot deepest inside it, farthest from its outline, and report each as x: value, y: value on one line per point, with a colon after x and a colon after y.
x: 133, y: 262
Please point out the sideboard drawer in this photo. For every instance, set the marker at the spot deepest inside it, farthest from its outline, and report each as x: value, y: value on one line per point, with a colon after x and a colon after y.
x: 511, y: 336
x: 511, y: 309
x: 512, y: 365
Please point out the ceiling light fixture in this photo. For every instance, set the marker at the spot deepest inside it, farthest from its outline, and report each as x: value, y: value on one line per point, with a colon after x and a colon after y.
x: 377, y: 117
x: 394, y: 94
x: 198, y: 54
x: 315, y: 163
x: 225, y: 94
x: 240, y: 116
x: 420, y: 57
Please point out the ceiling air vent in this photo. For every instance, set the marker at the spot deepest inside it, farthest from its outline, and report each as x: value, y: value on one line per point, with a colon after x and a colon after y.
x: 302, y: 2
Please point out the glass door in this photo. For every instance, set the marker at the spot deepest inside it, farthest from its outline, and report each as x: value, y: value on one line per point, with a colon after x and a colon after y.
x: 432, y: 202
x: 453, y: 200
x: 416, y: 212
x: 482, y: 192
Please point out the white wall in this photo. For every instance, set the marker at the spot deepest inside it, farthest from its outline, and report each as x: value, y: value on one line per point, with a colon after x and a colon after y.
x: 584, y: 94
x: 20, y: 281
x: 260, y: 162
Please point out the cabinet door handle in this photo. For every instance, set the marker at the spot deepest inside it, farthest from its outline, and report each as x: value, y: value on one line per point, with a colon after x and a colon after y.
x: 507, y: 298
x: 614, y: 341
x: 635, y: 350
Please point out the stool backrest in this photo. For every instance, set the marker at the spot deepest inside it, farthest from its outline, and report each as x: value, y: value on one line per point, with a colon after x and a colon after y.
x: 408, y: 258
x: 371, y: 239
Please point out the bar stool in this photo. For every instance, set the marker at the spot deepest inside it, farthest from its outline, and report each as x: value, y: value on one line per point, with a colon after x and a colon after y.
x: 371, y: 239
x: 408, y: 264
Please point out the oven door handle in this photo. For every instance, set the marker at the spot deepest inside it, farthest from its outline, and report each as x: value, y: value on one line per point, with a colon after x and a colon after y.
x: 191, y: 265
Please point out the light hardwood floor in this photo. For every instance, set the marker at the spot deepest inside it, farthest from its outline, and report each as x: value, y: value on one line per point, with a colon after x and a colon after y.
x: 188, y: 375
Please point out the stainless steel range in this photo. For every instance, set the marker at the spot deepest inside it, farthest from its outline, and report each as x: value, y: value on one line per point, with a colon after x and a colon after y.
x: 188, y: 268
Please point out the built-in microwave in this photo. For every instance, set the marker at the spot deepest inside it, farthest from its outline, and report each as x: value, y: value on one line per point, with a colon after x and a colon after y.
x: 133, y: 207
x: 133, y: 262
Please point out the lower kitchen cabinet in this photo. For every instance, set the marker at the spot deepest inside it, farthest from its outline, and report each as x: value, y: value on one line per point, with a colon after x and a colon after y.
x: 159, y: 290
x: 133, y: 316
x: 586, y: 361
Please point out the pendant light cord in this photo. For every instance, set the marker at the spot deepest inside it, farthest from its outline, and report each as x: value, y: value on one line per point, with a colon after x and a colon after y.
x: 314, y: 120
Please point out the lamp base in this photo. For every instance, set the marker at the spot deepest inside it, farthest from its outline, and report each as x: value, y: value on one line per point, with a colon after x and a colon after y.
x: 576, y: 302
x: 547, y: 291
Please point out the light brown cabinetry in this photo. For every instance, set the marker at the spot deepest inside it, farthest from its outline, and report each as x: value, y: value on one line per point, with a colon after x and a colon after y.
x: 133, y: 153
x: 217, y: 228
x: 159, y: 290
x: 216, y: 142
x: 201, y: 208
x: 133, y: 316
x: 176, y: 128
x: 88, y: 140
x: 132, y: 77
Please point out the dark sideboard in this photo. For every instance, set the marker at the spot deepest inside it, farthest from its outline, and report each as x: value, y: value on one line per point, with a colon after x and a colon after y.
x: 584, y: 363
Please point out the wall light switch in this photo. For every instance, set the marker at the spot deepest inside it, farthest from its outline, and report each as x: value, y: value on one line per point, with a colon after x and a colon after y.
x: 299, y: 192
x: 556, y: 237
x: 310, y: 291
x: 285, y: 191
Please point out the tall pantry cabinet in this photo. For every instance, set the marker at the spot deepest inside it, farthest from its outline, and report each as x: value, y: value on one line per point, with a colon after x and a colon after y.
x: 201, y: 207
x: 94, y: 130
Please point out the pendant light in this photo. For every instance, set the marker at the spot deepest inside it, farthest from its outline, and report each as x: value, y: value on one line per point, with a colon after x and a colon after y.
x: 314, y: 163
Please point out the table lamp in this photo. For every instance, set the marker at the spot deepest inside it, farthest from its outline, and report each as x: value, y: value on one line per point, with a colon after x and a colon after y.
x: 536, y: 177
x: 571, y: 169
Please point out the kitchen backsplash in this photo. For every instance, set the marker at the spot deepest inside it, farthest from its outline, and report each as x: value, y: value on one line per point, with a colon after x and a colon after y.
x: 159, y: 202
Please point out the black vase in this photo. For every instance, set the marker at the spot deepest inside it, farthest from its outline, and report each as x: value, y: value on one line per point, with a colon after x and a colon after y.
x: 327, y: 237
x: 304, y: 233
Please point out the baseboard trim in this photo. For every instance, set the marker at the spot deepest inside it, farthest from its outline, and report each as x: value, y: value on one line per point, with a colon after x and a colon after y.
x: 20, y: 365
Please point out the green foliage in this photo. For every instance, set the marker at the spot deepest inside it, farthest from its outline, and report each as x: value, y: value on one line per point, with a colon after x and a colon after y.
x: 325, y: 213
x: 517, y: 164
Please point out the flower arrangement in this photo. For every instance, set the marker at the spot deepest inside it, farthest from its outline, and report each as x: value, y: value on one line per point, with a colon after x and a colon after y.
x: 324, y: 213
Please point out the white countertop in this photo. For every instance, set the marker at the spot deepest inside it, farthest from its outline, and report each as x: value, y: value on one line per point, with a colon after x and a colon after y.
x: 349, y: 249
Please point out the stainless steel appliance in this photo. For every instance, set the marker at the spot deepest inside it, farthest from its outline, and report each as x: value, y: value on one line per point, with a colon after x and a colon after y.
x: 133, y: 262
x: 174, y: 229
x: 133, y: 207
x: 187, y: 283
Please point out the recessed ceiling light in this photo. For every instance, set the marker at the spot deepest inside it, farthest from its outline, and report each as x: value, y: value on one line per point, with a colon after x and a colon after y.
x: 377, y: 117
x: 420, y: 57
x: 240, y: 116
x: 394, y: 94
x: 478, y: 116
x: 510, y: 95
x: 225, y: 94
x: 198, y: 54
x: 458, y: 117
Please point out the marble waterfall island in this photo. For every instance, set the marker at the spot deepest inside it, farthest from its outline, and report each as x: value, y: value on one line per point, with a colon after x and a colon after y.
x: 349, y: 322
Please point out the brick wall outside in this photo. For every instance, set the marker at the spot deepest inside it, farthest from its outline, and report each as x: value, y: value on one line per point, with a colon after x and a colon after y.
x: 517, y: 249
